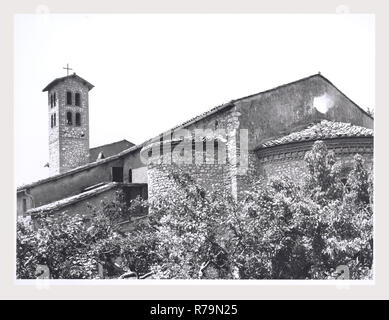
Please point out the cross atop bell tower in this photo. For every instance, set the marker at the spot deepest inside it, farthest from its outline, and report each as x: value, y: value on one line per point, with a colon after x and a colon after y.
x: 68, y: 121
x: 67, y: 69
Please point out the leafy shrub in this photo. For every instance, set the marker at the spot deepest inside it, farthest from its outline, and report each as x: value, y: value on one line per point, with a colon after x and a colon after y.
x: 277, y: 230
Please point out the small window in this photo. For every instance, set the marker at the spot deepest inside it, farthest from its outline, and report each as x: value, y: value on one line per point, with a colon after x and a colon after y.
x: 77, y: 99
x: 51, y: 101
x: 52, y: 120
x: 55, y: 99
x: 130, y: 176
x: 193, y: 149
x: 24, y: 204
x: 216, y: 150
x: 69, y: 118
x: 161, y: 146
x: 78, y: 119
x: 117, y: 174
x: 68, y: 97
x: 204, y: 151
x: 55, y: 119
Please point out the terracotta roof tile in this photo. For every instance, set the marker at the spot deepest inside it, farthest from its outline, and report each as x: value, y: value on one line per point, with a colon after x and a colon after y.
x: 320, y: 131
x: 74, y: 76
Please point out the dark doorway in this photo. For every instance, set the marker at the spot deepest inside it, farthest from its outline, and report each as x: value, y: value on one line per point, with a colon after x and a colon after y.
x: 130, y: 176
x: 117, y: 174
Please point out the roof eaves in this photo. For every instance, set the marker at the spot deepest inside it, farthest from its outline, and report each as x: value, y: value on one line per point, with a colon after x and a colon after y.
x: 319, y: 134
x: 55, y: 81
x: 261, y: 148
x: 72, y: 199
x: 80, y: 197
x: 203, y: 115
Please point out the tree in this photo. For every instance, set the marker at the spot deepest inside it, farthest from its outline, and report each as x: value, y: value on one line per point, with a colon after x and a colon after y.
x: 73, y: 245
x: 192, y: 231
x: 26, y: 249
x: 280, y: 229
x: 306, y: 232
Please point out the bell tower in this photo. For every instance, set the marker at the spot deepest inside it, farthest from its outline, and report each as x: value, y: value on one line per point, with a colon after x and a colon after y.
x: 68, y: 120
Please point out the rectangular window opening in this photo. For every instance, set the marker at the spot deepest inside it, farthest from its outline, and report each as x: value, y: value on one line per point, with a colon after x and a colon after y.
x: 77, y: 100
x: 69, y: 120
x: 68, y: 97
x: 78, y: 119
x: 117, y: 174
x: 24, y: 204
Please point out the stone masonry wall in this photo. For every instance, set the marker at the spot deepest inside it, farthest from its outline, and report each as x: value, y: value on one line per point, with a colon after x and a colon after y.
x: 218, y: 176
x: 251, y: 175
x: 297, y: 168
x: 289, y: 160
x: 210, y: 176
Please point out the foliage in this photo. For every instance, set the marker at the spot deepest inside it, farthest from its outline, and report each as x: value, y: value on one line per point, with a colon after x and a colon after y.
x: 280, y: 229
x: 26, y: 249
x: 72, y: 245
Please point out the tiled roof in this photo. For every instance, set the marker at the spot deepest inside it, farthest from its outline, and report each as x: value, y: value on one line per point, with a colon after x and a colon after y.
x: 79, y: 197
x: 74, y: 76
x: 321, y: 131
x: 72, y: 199
x: 109, y: 149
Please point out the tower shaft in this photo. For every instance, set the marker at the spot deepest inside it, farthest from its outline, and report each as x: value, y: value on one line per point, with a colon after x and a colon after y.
x: 68, y: 111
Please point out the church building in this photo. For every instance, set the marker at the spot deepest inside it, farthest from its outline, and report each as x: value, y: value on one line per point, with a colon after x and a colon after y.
x: 273, y: 129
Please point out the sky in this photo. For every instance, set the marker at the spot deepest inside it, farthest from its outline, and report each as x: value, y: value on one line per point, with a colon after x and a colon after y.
x: 152, y: 72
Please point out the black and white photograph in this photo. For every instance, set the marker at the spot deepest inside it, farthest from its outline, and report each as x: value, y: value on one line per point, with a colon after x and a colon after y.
x: 194, y: 147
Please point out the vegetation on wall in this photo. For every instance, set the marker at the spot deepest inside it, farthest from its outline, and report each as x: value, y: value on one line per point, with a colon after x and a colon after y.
x: 280, y: 229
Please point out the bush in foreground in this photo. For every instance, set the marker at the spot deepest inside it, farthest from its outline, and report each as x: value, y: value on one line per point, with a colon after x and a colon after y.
x: 278, y: 230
